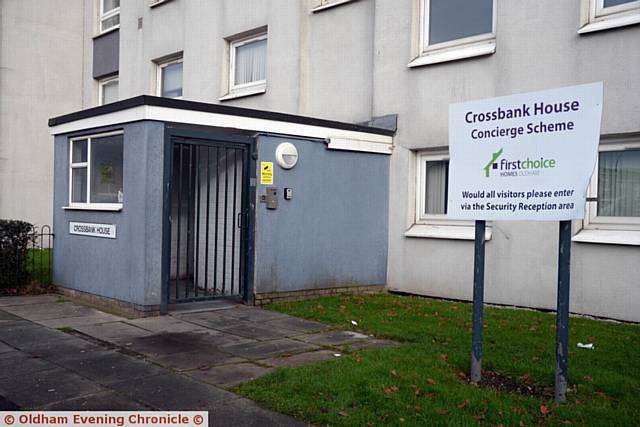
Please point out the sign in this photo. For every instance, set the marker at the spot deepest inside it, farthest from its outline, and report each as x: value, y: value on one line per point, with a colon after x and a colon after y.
x: 266, y: 173
x: 94, y: 230
x: 524, y: 157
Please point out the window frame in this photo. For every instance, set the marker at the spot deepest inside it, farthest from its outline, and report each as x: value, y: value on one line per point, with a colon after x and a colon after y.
x: 103, y: 16
x: 466, y: 47
x: 596, y: 17
x: 592, y: 219
x: 233, y: 45
x: 88, y: 205
x: 102, y: 83
x: 161, y: 65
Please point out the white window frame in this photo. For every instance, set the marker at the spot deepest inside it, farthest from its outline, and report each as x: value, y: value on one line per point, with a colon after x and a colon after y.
x: 103, y: 82
x: 233, y: 45
x: 321, y: 5
x: 438, y: 226
x: 106, y: 15
x: 161, y: 66
x: 467, y: 47
x: 88, y: 205
x: 592, y: 220
x: 596, y: 17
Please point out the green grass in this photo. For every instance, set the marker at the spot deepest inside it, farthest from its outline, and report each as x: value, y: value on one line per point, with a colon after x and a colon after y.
x: 39, y: 266
x: 423, y: 380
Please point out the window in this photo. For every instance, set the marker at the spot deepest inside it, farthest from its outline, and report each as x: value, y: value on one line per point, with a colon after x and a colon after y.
x: 108, y: 90
x: 327, y: 4
x: 247, y: 66
x: 431, y: 199
x: 170, y: 79
x: 455, y: 29
x: 95, y: 172
x: 109, y: 15
x: 604, y: 14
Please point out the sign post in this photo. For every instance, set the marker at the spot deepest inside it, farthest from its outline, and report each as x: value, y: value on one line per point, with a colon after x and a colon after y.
x: 523, y: 157
x: 478, y: 302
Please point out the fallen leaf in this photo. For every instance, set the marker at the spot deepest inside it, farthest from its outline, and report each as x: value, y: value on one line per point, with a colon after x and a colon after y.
x: 461, y: 374
x: 464, y: 404
x: 445, y: 357
x: 343, y: 413
x: 320, y: 307
x: 394, y: 374
x: 544, y: 409
x: 418, y: 409
x: 401, y: 419
x: 479, y: 417
x: 390, y: 390
x: 521, y: 424
x: 431, y: 381
x: 416, y: 389
x: 442, y: 411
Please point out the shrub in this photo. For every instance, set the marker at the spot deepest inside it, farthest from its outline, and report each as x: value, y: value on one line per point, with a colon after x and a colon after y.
x: 15, y: 236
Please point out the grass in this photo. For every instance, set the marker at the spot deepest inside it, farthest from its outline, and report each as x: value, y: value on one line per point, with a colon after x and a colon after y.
x: 423, y: 381
x: 39, y: 265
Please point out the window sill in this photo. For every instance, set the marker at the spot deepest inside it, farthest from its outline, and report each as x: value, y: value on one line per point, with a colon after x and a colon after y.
x: 330, y: 5
x: 104, y: 33
x: 245, y: 92
x: 609, y: 237
x: 454, y: 53
x: 610, y: 22
x: 158, y: 3
x: 113, y: 208
x: 453, y: 232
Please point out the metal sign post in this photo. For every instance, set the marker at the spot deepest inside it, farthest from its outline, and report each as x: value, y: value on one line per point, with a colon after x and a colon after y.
x: 478, y: 302
x: 562, y: 315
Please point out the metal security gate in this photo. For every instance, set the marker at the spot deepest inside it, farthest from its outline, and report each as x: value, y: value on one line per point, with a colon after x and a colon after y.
x: 207, y: 220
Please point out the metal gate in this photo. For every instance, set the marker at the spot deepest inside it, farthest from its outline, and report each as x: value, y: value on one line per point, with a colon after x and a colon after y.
x: 207, y: 220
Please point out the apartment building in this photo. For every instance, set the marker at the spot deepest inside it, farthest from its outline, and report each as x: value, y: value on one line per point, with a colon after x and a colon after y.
x: 393, y: 63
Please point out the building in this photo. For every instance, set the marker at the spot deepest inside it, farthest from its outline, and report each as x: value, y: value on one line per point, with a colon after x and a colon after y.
x: 40, y: 76
x: 378, y: 61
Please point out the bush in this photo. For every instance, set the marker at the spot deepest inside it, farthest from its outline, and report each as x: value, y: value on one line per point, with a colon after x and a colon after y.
x: 15, y: 237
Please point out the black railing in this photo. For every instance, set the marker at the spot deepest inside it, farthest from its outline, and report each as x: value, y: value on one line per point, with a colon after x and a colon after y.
x: 34, y: 267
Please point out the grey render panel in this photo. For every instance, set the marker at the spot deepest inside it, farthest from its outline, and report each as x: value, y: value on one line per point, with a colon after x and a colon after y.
x: 127, y: 268
x: 334, y: 231
x: 106, y: 52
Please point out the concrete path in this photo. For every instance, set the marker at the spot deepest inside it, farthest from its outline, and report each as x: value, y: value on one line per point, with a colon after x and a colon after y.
x: 59, y: 355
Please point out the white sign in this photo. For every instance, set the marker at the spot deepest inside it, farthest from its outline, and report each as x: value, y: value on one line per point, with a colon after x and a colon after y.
x: 524, y: 157
x: 93, y: 230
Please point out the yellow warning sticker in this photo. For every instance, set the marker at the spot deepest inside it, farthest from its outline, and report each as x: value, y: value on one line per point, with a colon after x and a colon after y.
x: 266, y: 173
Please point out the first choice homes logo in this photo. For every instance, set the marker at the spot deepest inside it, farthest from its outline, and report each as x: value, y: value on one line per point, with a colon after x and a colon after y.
x: 514, y: 168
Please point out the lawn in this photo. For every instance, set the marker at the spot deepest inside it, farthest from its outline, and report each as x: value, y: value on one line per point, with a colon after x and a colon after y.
x: 39, y: 266
x: 423, y: 380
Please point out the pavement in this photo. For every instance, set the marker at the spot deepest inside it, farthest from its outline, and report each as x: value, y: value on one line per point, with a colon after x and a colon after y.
x: 59, y: 355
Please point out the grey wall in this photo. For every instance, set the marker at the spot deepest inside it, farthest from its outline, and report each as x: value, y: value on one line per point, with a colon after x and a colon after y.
x: 334, y: 231
x: 537, y: 48
x: 40, y: 77
x: 127, y: 268
x: 106, y: 54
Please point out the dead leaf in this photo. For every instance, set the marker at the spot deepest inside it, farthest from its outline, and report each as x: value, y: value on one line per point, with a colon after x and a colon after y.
x: 431, y: 381
x: 343, y: 413
x: 544, y: 410
x: 464, y: 404
x: 390, y: 390
x: 401, y: 419
x: 442, y: 411
x: 445, y: 357
x: 394, y: 374
x: 320, y: 307
x: 461, y: 374
x: 479, y: 417
x: 416, y: 389
x: 343, y: 310
x: 521, y: 423
x: 418, y: 409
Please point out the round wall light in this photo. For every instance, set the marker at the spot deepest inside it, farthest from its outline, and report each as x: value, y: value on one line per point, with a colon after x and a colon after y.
x: 286, y: 155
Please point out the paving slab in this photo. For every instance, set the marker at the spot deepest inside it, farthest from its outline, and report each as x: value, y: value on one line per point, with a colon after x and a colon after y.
x: 6, y: 316
x: 28, y: 300
x: 209, y: 319
x: 297, y: 324
x: 246, y: 413
x: 4, y: 348
x: 50, y: 310
x: 194, y: 307
x: 173, y: 392
x: 45, y: 387
x: 196, y: 360
x: 254, y: 314
x: 67, y: 351
x: 114, y: 367
x: 230, y: 375
x: 299, y: 359
x: 259, y: 332
x: 25, y: 337
x: 334, y: 338
x: 166, y: 343
x: 72, y: 322
x: 115, y: 332
x: 104, y: 401
x: 267, y: 349
x: 17, y: 364
x: 165, y: 324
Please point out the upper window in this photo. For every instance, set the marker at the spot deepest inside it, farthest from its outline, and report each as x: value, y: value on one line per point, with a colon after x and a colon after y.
x: 108, y: 90
x: 170, y: 79
x: 605, y: 14
x: 248, y: 65
x: 95, y: 171
x: 455, y: 29
x: 109, y: 15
